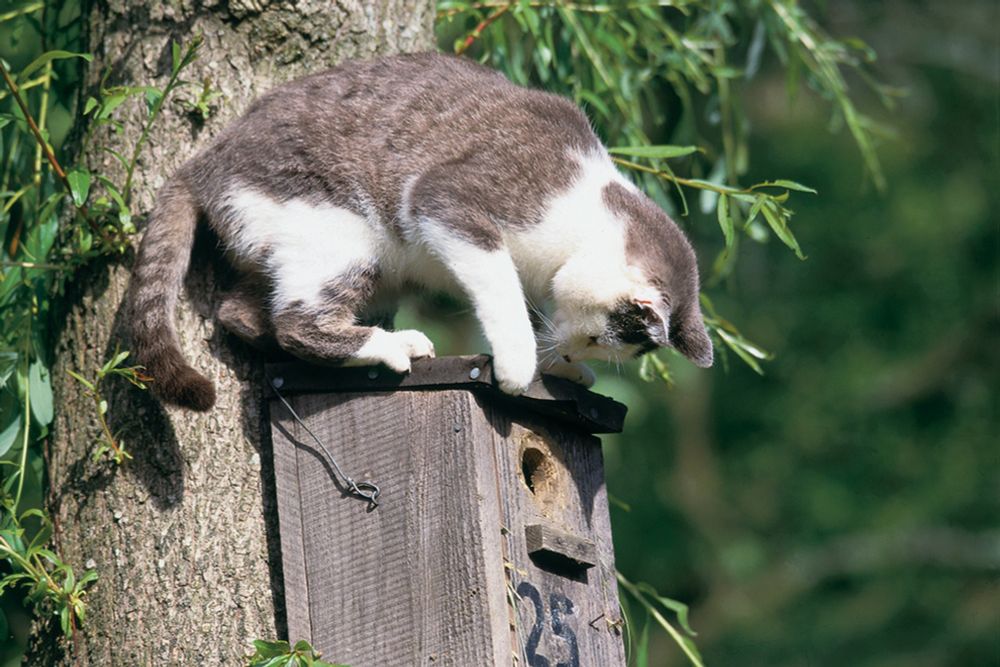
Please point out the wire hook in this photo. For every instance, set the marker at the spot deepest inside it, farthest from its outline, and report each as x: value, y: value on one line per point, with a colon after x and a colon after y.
x: 369, y: 491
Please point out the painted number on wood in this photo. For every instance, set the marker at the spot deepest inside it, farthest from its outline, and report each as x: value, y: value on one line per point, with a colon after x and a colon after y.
x: 560, y: 607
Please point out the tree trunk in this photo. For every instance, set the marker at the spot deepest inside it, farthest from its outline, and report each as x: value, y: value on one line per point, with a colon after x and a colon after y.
x: 184, y: 535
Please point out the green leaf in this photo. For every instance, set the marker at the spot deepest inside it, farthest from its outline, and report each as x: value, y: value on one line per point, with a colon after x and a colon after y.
x: 782, y: 183
x: 111, y: 102
x: 175, y: 51
x: 675, y: 606
x: 49, y: 56
x: 118, y: 359
x: 82, y: 380
x: 654, y: 152
x: 64, y: 620
x: 726, y: 221
x: 268, y: 649
x: 41, y: 393
x: 153, y: 97
x: 79, y: 183
x: 642, y: 647
x: 124, y: 214
x: 736, y: 345
x: 10, y: 421
x: 8, y: 362
x: 777, y: 219
x: 303, y: 646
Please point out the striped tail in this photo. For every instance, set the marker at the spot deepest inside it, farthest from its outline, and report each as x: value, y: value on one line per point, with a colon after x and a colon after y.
x: 157, y: 278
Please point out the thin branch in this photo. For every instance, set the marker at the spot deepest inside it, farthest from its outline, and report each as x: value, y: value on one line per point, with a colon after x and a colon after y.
x: 474, y: 35
x: 49, y: 155
x: 680, y: 180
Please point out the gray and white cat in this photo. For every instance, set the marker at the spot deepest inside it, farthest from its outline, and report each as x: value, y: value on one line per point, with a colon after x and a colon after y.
x: 335, y: 193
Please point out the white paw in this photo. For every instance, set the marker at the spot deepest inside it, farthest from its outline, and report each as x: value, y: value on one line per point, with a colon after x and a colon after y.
x: 573, y: 371
x: 415, y: 343
x: 395, y: 349
x: 514, y: 370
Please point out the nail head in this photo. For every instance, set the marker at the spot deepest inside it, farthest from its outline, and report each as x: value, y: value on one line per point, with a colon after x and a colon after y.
x: 475, y: 373
x: 278, y: 382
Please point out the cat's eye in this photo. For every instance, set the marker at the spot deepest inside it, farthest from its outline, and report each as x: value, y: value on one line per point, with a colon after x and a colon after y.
x: 592, y: 340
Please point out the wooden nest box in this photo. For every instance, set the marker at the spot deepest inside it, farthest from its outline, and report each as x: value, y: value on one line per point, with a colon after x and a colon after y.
x: 490, y: 544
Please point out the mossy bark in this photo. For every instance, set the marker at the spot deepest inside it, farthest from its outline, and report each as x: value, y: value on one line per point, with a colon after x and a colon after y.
x: 184, y: 535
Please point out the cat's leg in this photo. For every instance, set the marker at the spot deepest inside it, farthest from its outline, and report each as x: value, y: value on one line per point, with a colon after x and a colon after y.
x: 243, y: 312
x: 472, y: 250
x: 320, y: 262
x: 326, y: 332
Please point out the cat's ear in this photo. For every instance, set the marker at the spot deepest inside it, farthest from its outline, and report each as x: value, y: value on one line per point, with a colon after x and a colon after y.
x: 689, y: 336
x: 655, y: 318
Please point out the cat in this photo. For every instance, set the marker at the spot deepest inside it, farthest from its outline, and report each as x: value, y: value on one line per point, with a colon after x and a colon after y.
x: 337, y: 192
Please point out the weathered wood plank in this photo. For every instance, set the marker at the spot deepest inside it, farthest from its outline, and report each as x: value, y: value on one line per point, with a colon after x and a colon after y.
x: 290, y: 517
x: 554, y: 476
x: 397, y: 585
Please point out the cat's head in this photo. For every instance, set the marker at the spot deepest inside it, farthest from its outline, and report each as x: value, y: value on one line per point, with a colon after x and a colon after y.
x: 654, y: 304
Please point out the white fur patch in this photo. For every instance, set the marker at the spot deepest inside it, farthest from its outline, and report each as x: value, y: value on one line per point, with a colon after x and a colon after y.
x: 306, y: 245
x: 491, y: 281
x: 577, y: 227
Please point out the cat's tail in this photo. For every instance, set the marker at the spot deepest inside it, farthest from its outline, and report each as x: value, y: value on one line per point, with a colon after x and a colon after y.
x: 157, y: 278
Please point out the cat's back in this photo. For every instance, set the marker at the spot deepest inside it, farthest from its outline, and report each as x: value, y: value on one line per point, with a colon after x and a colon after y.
x: 408, y: 102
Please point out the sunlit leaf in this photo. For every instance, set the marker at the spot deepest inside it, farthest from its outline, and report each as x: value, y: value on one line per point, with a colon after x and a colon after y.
x: 782, y: 183
x: 654, y: 151
x: 777, y: 220
x: 47, y: 57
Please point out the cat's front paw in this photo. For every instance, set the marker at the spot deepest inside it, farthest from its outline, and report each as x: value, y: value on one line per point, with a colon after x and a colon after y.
x: 573, y: 371
x: 395, y: 349
x: 514, y: 372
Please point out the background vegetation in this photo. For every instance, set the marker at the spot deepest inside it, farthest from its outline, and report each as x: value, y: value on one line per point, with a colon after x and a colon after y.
x: 839, y: 508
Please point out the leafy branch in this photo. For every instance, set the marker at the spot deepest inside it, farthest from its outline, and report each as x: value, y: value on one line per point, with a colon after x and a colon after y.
x: 108, y: 442
x: 653, y: 603
x: 282, y: 654
x: 47, y: 149
x: 51, y: 583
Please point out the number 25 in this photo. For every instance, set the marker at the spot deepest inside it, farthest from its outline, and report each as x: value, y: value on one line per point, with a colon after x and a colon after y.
x: 558, y: 605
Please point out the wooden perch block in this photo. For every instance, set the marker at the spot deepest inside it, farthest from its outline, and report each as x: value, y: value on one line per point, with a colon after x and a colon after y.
x: 491, y: 542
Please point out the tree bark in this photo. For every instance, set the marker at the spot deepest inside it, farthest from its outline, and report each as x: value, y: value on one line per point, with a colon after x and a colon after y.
x: 184, y: 535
